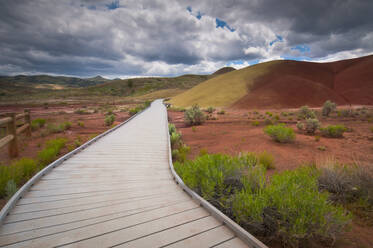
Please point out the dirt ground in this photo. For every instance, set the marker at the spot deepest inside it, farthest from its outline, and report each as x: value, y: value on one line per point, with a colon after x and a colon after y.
x: 233, y: 133
x: 93, y: 125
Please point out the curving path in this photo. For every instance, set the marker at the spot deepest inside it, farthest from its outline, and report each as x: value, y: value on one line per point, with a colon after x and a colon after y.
x: 118, y: 191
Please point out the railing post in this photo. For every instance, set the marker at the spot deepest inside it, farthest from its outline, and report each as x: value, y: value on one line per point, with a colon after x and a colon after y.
x: 28, y: 121
x: 12, y: 129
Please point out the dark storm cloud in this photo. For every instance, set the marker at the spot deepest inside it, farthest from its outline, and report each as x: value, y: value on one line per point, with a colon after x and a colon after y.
x: 158, y: 37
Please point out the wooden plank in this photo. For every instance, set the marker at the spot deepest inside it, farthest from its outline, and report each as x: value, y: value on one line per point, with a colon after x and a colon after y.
x: 206, y: 239
x: 48, y: 185
x: 43, y: 206
x: 105, y: 233
x: 96, y: 205
x: 7, y: 239
x: 86, y: 214
x: 22, y: 129
x: 19, y: 116
x: 236, y: 243
x: 96, y: 189
x: 4, y: 141
x: 5, y: 120
x: 29, y: 199
x: 174, y: 234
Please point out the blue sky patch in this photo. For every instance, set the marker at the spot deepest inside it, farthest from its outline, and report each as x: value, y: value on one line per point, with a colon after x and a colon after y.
x: 278, y: 39
x: 198, y: 15
x: 241, y: 62
x: 113, y: 5
x: 223, y: 24
x: 302, y: 48
x: 298, y: 58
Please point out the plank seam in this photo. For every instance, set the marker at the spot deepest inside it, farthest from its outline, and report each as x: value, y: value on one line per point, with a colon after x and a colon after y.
x: 116, y: 230
x: 196, y: 234
x: 146, y: 209
x: 76, y: 211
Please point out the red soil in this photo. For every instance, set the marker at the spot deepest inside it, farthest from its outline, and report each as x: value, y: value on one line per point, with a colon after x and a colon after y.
x: 293, y: 83
x: 233, y: 133
x: 29, y: 147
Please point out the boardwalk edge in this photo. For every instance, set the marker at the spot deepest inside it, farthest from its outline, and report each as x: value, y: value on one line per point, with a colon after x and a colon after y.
x: 237, y: 229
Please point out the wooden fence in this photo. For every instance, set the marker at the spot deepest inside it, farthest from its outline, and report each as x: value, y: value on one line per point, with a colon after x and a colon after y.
x: 12, y: 125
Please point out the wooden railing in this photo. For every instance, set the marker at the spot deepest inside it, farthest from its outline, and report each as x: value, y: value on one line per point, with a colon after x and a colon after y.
x: 8, y: 122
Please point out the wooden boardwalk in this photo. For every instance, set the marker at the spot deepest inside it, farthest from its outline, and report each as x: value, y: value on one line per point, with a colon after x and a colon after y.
x: 118, y: 191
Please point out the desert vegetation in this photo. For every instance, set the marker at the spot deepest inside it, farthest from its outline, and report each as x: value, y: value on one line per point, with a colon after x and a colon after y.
x: 291, y: 206
x: 19, y: 171
x: 280, y: 133
x: 194, y: 116
x: 332, y: 199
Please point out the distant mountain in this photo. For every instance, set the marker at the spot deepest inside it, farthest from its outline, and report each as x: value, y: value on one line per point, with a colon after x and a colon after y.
x: 286, y: 83
x: 39, y: 80
x: 223, y: 70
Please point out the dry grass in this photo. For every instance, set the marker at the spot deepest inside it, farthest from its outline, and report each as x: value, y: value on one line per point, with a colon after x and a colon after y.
x: 222, y: 90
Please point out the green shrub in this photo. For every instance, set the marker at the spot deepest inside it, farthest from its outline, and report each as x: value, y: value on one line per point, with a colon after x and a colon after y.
x: 180, y: 154
x: 19, y: 172
x: 147, y: 103
x: 214, y: 177
x: 109, y: 120
x: 291, y: 208
x: 210, y: 110
x: 37, y: 123
x: 267, y: 160
x: 203, y: 151
x: 280, y: 133
x: 58, y: 128
x: 10, y: 189
x: 194, y: 116
x: 300, y: 126
x: 269, y: 113
x: 312, y: 125
x: 317, y: 138
x: 321, y: 148
x: 221, y: 112
x: 328, y: 107
x: 175, y: 138
x: 66, y: 125
x: 133, y: 111
x: 81, y: 124
x: 51, y: 151
x: 255, y: 123
x: 306, y: 113
x: 171, y: 128
x: 333, y: 131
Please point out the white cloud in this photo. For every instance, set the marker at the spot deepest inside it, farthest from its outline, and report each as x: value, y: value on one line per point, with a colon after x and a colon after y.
x: 159, y: 37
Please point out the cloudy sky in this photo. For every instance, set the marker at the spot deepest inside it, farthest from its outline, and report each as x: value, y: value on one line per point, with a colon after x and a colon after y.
x: 126, y: 38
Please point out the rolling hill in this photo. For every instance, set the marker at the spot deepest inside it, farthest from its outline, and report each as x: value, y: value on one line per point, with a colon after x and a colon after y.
x: 48, y: 81
x: 44, y: 87
x: 286, y: 84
